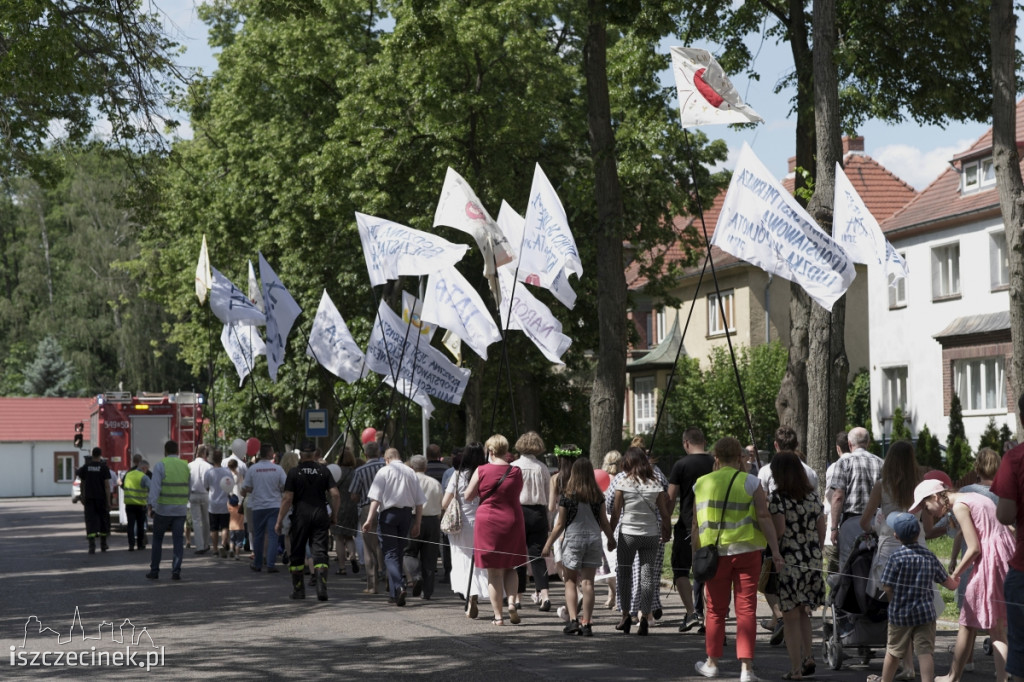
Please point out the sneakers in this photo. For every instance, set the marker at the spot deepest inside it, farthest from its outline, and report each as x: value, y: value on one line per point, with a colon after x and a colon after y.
x: 223, y: 553
x: 586, y: 630
x: 768, y: 624
x: 703, y: 668
x: 689, y: 622
x: 778, y: 634
x: 572, y: 628
x: 400, y: 599
x: 749, y: 676
x: 563, y: 613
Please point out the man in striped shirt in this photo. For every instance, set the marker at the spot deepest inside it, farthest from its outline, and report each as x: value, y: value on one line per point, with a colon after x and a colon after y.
x: 363, y: 477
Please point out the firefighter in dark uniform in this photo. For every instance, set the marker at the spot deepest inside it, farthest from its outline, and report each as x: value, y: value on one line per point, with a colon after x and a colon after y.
x: 307, y: 488
x: 95, y: 481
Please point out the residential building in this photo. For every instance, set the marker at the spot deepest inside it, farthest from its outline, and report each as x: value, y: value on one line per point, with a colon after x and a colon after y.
x: 37, y: 454
x: 946, y: 329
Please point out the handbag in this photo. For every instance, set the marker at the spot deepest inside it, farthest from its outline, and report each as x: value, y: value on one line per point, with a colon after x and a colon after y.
x: 451, y: 521
x: 768, y: 583
x: 705, y: 559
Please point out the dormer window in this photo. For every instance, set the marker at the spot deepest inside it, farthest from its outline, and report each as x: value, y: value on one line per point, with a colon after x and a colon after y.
x: 977, y: 175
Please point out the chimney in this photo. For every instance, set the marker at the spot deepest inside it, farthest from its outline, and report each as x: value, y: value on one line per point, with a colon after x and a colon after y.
x: 853, y: 144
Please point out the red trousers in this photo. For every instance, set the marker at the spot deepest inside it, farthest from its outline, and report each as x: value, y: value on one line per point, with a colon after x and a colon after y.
x: 736, y: 574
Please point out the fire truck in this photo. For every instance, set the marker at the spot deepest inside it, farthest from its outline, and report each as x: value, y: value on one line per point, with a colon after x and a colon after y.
x: 123, y: 424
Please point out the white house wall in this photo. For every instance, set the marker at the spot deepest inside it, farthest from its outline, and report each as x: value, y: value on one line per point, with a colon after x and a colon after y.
x: 28, y: 470
x: 905, y: 336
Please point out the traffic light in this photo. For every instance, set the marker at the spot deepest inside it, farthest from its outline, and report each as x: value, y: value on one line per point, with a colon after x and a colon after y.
x: 79, y: 435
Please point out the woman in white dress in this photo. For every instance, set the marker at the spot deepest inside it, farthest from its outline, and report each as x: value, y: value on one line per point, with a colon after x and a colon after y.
x: 462, y: 542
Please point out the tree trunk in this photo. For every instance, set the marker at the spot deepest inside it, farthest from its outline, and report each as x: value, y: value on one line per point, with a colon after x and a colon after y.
x: 609, y: 388
x: 1003, y: 28
x: 474, y: 400
x: 791, y: 403
x: 827, y: 366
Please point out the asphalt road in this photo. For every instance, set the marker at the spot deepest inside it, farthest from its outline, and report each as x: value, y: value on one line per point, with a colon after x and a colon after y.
x: 222, y: 621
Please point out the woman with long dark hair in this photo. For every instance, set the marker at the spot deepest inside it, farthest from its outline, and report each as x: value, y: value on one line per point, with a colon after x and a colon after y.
x: 799, y: 521
x: 462, y: 542
x: 639, y: 497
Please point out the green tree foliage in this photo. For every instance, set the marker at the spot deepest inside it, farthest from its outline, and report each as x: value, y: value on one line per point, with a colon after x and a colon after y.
x: 900, y: 430
x: 959, y: 459
x: 1005, y: 435
x: 991, y: 437
x: 48, y: 374
x: 710, y: 399
x: 858, y: 400
x: 929, y: 454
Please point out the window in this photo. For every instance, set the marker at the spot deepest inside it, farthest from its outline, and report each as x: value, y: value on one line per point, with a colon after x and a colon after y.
x: 64, y: 465
x: 716, y: 323
x: 894, y: 389
x: 898, y: 291
x: 659, y: 319
x: 988, y: 173
x: 980, y: 383
x: 946, y: 271
x: 655, y: 327
x: 999, y: 262
x: 970, y: 176
x: 978, y: 174
x: 644, y: 407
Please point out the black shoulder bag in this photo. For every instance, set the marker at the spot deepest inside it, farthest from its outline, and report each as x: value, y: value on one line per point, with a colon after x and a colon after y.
x: 705, y: 559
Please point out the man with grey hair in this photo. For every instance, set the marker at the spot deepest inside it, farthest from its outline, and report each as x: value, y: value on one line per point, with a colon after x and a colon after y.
x: 854, y: 476
x: 427, y: 545
x: 396, y: 494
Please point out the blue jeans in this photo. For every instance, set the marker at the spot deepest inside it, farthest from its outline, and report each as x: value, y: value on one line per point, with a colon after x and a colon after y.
x: 263, y: 521
x: 162, y: 524
x: 393, y: 529
x: 1014, y: 594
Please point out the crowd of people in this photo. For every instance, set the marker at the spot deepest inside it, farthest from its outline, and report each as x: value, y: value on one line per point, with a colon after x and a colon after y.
x: 504, y: 515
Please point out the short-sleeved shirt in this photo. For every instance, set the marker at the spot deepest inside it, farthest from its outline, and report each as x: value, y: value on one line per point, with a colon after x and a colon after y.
x: 684, y: 474
x: 1009, y: 484
x: 267, y: 481
x: 911, y: 572
x: 95, y: 480
x: 536, y: 480
x: 218, y: 496
x: 309, y: 483
x: 856, y: 474
x: 396, y: 485
x: 764, y: 474
x: 363, y: 478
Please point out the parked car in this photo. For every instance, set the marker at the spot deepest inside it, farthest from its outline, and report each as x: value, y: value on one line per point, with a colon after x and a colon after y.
x: 76, y: 491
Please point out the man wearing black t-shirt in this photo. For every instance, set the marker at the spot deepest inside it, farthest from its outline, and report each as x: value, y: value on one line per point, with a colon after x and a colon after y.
x: 684, y: 475
x: 307, y: 488
x: 94, y: 477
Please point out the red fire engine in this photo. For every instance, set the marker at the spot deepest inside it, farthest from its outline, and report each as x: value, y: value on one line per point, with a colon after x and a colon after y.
x: 123, y: 424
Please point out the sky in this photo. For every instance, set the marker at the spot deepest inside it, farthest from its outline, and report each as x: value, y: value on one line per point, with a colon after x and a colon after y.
x: 916, y: 154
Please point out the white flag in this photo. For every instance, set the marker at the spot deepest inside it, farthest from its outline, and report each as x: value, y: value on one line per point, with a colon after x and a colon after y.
x: 393, y: 250
x: 281, y: 313
x: 414, y: 394
x: 895, y: 265
x: 255, y: 295
x: 859, y: 233
x: 412, y: 309
x: 204, y: 280
x: 705, y: 93
x: 229, y: 304
x: 547, y: 245
x: 393, y: 351
x: 460, y: 208
x: 512, y: 224
x: 331, y: 344
x: 454, y: 345
x: 450, y: 301
x: 243, y: 343
x: 763, y: 224
x: 533, y: 318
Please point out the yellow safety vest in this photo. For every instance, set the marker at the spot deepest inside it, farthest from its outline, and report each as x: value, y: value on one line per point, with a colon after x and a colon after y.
x: 174, y: 488
x: 738, y: 523
x: 134, y: 493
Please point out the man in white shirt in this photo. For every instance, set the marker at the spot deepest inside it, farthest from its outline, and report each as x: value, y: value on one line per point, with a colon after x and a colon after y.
x: 397, y: 495
x: 199, y: 498
x: 220, y: 517
x: 534, y: 500
x: 785, y: 440
x: 264, y: 482
x: 426, y: 547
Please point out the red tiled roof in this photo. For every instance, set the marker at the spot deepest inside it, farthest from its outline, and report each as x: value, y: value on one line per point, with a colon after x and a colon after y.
x: 42, y: 419
x: 942, y: 203
x: 882, y: 192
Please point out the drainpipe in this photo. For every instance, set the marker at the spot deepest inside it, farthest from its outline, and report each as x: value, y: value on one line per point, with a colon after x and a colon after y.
x: 767, y: 310
x: 32, y: 457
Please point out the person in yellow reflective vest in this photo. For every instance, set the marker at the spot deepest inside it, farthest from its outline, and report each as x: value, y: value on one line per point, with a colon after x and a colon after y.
x: 731, y: 511
x: 136, y: 491
x: 168, y: 502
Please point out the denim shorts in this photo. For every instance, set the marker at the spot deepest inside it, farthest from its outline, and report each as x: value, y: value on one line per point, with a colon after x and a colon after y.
x: 1014, y: 594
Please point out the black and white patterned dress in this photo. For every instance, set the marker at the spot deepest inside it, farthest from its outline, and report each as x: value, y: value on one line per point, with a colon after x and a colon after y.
x: 801, y: 580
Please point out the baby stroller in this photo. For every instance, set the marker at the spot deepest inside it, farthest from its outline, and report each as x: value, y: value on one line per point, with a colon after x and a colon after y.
x: 853, y: 618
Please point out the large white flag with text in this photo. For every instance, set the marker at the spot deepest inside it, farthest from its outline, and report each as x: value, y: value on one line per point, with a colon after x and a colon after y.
x: 547, y: 246
x: 533, y: 318
x: 512, y: 225
x: 331, y: 344
x: 450, y: 301
x: 281, y: 313
x: 417, y: 395
x: 706, y: 95
x: 204, y: 279
x: 243, y: 343
x: 393, y: 250
x: 229, y: 304
x: 859, y: 233
x: 763, y: 224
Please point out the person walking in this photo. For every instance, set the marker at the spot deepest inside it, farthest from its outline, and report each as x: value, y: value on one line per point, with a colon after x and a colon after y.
x: 344, y: 531
x: 264, y: 482
x: 534, y: 500
x: 219, y: 483
x: 136, y: 488
x: 396, y: 495
x: 731, y: 512
x: 94, y: 478
x: 199, y: 498
x: 307, y: 488
x: 465, y: 576
x: 1008, y: 485
x: 425, y: 548
x: 362, y: 479
x: 167, y: 506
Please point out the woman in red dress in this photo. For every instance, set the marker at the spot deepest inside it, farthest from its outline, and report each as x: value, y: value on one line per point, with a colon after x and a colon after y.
x: 499, y: 534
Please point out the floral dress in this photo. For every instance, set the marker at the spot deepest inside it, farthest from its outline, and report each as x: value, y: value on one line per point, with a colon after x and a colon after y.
x: 801, y: 579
